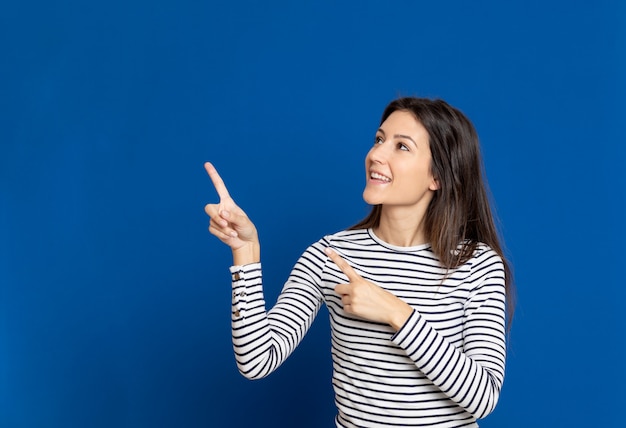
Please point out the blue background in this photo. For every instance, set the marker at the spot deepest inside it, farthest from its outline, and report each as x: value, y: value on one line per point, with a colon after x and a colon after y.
x: 115, y: 300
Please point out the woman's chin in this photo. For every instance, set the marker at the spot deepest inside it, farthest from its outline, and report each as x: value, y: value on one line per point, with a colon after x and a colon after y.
x: 371, y: 199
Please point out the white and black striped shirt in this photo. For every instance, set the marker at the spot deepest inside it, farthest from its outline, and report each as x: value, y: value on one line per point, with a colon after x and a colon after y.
x: 443, y: 368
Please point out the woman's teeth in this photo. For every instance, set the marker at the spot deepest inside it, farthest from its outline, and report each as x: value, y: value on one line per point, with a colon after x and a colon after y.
x: 377, y: 176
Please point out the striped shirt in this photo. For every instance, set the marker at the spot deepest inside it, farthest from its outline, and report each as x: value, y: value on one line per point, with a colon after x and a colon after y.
x: 443, y: 368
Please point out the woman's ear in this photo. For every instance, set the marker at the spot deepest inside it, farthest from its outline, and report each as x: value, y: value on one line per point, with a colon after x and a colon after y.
x: 434, y: 184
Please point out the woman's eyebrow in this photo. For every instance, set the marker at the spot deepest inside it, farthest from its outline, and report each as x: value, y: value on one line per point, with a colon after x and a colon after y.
x: 405, y: 136
x: 380, y: 130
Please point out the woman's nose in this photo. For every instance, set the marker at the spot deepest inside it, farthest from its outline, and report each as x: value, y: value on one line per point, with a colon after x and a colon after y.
x: 379, y: 153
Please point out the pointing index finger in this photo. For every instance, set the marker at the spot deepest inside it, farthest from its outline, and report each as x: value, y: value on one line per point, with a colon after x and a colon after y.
x: 218, y: 183
x: 342, y: 264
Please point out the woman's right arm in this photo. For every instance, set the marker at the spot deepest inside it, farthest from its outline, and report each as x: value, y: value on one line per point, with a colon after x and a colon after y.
x: 263, y: 339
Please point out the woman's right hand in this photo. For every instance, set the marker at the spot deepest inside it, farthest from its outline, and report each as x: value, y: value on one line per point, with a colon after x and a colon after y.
x: 230, y: 224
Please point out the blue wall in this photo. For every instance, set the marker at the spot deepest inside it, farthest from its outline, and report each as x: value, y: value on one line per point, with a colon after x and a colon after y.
x: 114, y: 304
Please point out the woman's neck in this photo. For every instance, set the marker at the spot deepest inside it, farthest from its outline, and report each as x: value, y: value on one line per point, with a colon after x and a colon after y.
x: 401, y: 229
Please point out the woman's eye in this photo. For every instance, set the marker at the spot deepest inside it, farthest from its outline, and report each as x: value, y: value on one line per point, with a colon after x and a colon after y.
x: 379, y: 140
x: 403, y: 146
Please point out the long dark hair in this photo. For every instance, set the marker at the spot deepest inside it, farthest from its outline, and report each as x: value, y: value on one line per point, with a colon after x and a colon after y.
x: 459, y: 216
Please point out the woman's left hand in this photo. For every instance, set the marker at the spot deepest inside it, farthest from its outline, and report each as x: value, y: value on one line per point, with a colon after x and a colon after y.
x: 368, y: 300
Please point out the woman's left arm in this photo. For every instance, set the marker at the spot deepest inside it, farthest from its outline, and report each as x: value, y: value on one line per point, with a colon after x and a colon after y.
x: 471, y: 375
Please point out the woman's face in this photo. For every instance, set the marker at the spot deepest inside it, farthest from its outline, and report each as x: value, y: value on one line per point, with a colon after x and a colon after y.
x: 397, y: 168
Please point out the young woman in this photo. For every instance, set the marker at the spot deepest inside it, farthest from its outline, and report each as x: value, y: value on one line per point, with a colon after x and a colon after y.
x: 417, y: 292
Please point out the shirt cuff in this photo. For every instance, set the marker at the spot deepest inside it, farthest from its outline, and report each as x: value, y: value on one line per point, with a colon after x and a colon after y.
x: 244, y: 278
x: 241, y: 272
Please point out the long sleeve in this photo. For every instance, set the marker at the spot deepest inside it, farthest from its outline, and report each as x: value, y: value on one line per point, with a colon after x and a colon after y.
x: 471, y: 376
x: 263, y: 339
